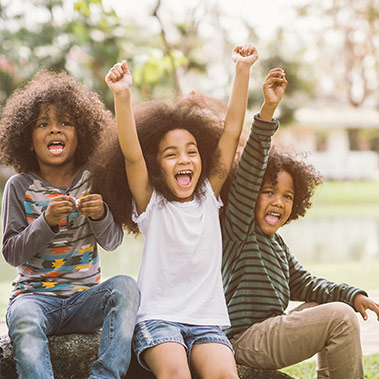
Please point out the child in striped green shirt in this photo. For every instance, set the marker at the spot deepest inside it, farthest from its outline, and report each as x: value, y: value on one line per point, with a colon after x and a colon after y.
x: 260, y: 273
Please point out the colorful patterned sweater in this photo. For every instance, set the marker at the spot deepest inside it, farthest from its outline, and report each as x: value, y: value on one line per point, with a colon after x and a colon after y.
x: 260, y: 274
x: 60, y: 262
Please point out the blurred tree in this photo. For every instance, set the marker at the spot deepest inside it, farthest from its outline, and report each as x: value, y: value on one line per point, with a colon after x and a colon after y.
x: 86, y: 37
x: 351, y: 32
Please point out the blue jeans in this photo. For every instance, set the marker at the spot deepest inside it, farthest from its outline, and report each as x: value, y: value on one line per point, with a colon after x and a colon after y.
x: 111, y: 305
x: 150, y: 333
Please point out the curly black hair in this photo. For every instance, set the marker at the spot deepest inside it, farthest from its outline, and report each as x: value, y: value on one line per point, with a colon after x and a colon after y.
x: 21, y: 111
x: 200, y: 115
x: 304, y: 175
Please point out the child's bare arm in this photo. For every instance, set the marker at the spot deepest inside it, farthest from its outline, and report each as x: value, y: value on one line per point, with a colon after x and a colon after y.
x: 243, y: 57
x: 119, y: 80
x: 274, y: 87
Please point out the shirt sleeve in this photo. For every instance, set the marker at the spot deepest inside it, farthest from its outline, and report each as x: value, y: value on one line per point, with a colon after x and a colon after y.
x: 306, y: 287
x: 108, y: 233
x: 239, y: 211
x: 20, y: 240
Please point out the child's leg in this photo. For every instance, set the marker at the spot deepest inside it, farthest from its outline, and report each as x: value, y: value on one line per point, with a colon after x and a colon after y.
x: 159, y: 346
x: 112, y: 306
x: 30, y: 319
x: 322, y: 359
x: 168, y: 361
x: 213, y: 361
x: 285, y: 340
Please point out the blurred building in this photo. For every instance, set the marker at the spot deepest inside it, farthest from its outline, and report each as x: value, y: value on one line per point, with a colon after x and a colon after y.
x: 342, y: 141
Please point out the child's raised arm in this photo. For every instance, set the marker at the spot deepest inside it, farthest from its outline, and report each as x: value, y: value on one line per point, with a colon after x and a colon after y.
x: 243, y: 57
x: 119, y: 80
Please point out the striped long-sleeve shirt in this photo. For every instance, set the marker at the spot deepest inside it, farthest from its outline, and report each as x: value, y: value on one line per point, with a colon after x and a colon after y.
x: 260, y: 274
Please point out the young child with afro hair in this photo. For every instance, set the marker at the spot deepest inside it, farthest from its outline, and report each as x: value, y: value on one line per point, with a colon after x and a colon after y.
x: 176, y: 159
x: 261, y: 275
x: 52, y: 223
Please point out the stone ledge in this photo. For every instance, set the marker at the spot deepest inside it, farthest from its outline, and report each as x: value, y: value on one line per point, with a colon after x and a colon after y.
x: 73, y: 354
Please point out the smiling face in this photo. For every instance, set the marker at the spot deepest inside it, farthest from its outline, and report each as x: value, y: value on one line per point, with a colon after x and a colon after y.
x: 54, y: 139
x: 179, y: 158
x: 274, y: 203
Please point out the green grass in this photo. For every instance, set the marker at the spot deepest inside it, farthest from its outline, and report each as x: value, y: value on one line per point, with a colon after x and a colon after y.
x: 339, y: 199
x: 345, y: 193
x: 356, y: 273
x: 307, y: 369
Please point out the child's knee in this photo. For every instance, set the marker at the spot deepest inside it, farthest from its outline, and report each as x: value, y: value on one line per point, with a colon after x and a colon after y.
x: 345, y: 316
x: 124, y: 288
x: 123, y: 283
x: 25, y: 318
x: 177, y: 372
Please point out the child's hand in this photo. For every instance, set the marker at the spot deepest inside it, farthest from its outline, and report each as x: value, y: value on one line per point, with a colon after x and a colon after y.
x: 245, y: 54
x: 362, y: 303
x: 274, y: 86
x: 91, y: 206
x: 59, y: 207
x: 119, y: 78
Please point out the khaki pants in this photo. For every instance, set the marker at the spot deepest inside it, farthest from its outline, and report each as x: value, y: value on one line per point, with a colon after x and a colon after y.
x: 330, y: 329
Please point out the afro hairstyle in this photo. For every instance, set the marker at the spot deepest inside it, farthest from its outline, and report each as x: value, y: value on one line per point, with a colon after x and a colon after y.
x: 71, y: 98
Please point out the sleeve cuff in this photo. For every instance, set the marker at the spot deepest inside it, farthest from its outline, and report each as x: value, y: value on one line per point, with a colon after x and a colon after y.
x: 47, y: 230
x: 99, y: 224
x: 356, y: 291
x: 264, y: 128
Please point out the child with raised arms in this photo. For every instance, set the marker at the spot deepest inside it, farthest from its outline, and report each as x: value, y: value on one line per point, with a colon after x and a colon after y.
x: 52, y: 223
x: 175, y: 184
x: 260, y: 273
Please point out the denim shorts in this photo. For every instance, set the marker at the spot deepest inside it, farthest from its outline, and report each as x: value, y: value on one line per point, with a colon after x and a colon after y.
x: 150, y: 333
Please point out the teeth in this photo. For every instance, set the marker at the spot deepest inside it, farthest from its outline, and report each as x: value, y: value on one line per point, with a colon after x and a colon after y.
x: 274, y: 214
x: 184, y: 173
x: 56, y: 143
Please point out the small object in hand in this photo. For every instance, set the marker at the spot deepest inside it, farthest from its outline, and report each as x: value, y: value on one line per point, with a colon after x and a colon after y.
x: 76, y: 202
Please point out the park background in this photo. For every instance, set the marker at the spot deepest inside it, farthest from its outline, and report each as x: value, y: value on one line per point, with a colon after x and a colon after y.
x: 330, y: 110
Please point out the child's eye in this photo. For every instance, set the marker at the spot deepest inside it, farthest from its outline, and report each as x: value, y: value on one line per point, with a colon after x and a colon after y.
x: 66, y: 123
x: 192, y: 152
x: 268, y: 192
x: 289, y: 197
x: 42, y: 124
x: 170, y: 155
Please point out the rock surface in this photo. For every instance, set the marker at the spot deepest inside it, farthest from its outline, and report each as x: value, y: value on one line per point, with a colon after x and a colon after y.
x: 73, y: 354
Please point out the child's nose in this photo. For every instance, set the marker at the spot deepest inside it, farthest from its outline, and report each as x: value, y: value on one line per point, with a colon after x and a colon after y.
x: 183, y: 158
x: 278, y: 201
x: 55, y: 129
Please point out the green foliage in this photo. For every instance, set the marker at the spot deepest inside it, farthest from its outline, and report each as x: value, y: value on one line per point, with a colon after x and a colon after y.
x: 156, y: 69
x: 307, y: 369
x: 88, y: 38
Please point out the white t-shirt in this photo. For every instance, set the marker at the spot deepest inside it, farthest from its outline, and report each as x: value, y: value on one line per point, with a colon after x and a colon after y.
x: 180, y: 274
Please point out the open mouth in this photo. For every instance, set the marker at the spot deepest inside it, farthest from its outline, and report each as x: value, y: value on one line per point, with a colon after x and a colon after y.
x: 272, y: 218
x: 184, y: 178
x: 56, y: 147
